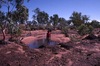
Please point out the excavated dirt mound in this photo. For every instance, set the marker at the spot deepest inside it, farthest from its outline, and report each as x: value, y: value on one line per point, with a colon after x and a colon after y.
x: 82, y: 53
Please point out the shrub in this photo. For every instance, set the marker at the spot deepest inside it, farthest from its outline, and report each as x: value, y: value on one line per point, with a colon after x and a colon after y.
x: 14, y: 31
x: 90, y: 29
x: 18, y: 32
x: 65, y: 31
x: 84, y: 29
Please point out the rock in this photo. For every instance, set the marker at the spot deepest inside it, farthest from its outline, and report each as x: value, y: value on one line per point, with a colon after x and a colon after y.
x: 99, y: 37
x: 42, y: 46
x: 68, y: 47
x: 2, y: 42
x: 90, y: 37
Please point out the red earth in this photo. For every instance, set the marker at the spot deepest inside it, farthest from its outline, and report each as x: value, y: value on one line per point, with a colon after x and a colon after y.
x: 71, y: 51
x: 41, y: 34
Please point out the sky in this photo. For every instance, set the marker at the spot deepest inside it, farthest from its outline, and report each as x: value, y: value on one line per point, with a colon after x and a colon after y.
x: 65, y: 8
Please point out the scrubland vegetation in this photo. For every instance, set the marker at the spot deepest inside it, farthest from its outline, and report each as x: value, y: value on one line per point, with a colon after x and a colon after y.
x: 83, y: 48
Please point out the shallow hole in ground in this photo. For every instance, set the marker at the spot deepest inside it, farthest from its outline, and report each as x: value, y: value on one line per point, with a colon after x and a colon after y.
x: 42, y: 43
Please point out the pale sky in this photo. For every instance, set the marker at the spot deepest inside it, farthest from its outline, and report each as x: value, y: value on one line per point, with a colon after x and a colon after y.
x: 64, y: 8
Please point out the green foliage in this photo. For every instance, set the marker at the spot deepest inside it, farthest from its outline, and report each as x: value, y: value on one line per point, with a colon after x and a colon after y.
x: 74, y: 38
x: 65, y: 31
x: 2, y: 23
x: 16, y: 13
x: 90, y: 29
x: 41, y: 27
x: 18, y: 31
x: 78, y: 19
x: 54, y: 19
x: 95, y: 24
x: 40, y: 16
x: 14, y: 30
x: 62, y: 23
x: 2, y: 18
x: 84, y: 29
x: 11, y: 2
x: 20, y: 15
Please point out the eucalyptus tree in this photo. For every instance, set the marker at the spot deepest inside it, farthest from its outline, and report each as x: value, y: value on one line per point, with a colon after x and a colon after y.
x: 55, y: 20
x: 95, y: 23
x: 34, y: 25
x: 15, y: 8
x: 62, y: 23
x: 22, y: 12
x: 78, y: 18
x: 41, y: 17
x: 10, y: 5
x: 19, y: 16
x: 85, y: 18
x: 34, y: 21
x: 2, y: 24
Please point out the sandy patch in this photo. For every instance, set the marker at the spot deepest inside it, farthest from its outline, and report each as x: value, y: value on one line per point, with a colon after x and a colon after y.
x: 28, y: 40
x: 41, y: 34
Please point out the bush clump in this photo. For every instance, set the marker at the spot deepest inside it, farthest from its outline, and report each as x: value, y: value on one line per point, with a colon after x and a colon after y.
x: 84, y: 29
x: 65, y: 31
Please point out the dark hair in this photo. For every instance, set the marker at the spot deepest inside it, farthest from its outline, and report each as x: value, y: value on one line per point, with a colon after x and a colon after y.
x: 49, y: 30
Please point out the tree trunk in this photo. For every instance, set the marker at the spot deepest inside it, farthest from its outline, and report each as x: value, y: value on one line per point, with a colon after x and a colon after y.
x: 4, y: 35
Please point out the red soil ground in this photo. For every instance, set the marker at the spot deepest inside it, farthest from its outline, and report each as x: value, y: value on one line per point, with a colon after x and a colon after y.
x: 41, y: 34
x: 75, y: 52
